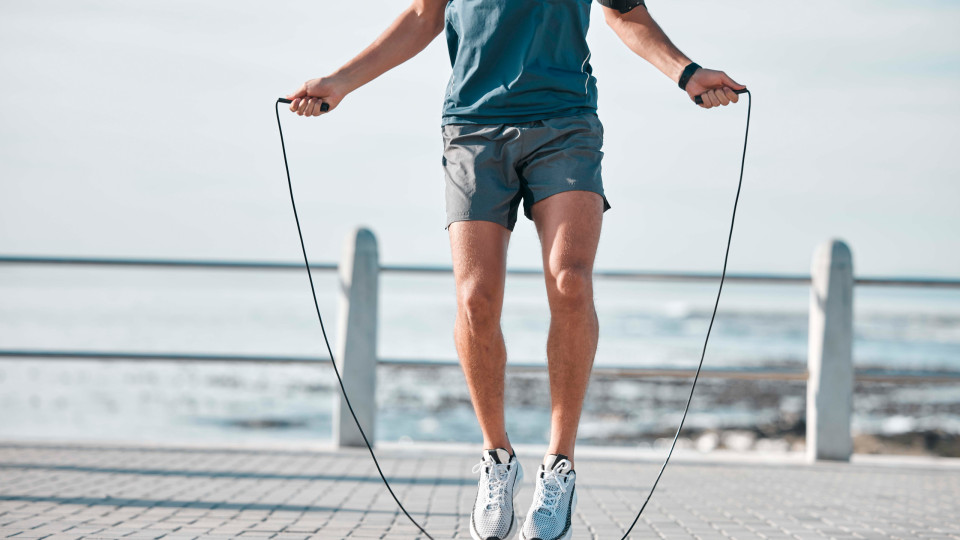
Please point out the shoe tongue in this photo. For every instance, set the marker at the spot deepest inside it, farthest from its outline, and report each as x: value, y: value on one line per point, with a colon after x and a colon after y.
x: 496, y: 455
x: 550, y: 461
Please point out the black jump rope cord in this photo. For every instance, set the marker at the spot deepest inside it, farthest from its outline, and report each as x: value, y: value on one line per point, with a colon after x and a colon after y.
x: 693, y: 386
x: 313, y: 290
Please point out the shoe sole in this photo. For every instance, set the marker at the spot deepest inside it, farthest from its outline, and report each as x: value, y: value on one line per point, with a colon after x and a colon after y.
x: 569, y: 534
x: 516, y: 521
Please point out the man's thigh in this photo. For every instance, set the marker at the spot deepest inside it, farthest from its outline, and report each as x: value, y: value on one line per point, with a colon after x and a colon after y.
x: 479, y: 250
x: 568, y: 224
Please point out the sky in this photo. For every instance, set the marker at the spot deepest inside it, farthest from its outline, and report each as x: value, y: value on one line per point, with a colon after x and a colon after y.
x: 146, y: 129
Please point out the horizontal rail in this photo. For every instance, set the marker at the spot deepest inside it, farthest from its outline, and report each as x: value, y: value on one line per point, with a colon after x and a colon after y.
x: 632, y: 275
x: 782, y: 279
x: 741, y: 373
x: 942, y: 283
x: 157, y: 357
x: 164, y: 263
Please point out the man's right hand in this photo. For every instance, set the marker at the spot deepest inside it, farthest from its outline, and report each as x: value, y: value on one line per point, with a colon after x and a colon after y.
x: 313, y: 93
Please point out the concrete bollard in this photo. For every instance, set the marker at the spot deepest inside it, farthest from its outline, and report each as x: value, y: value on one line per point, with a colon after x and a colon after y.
x: 357, y: 338
x: 830, y: 355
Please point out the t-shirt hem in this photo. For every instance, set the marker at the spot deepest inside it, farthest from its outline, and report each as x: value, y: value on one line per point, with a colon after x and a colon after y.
x: 452, y: 119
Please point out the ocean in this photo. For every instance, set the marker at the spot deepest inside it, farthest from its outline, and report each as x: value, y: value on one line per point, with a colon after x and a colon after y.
x: 652, y: 324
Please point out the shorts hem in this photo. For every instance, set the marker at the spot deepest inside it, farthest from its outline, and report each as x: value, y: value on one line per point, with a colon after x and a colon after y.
x: 452, y: 218
x: 606, y: 204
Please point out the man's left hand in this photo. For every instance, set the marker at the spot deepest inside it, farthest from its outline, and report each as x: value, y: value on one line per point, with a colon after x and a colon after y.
x: 715, y: 88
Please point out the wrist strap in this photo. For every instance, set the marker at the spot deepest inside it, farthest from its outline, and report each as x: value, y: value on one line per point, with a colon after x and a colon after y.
x: 688, y: 72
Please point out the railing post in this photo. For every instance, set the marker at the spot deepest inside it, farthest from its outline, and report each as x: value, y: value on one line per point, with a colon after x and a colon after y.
x: 357, y: 338
x: 830, y: 357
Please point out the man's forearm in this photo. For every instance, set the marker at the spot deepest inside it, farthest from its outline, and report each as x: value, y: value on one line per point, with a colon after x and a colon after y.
x: 409, y: 34
x: 643, y: 35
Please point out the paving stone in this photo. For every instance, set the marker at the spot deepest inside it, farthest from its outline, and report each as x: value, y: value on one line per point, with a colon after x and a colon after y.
x: 61, y: 492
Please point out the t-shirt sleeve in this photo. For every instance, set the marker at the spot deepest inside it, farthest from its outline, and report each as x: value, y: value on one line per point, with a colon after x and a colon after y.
x: 622, y: 6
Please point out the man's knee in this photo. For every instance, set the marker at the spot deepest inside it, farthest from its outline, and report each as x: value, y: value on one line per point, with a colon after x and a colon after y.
x: 479, y: 305
x: 572, y: 288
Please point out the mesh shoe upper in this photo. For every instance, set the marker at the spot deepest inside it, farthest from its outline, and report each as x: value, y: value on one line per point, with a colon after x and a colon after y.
x: 554, y: 500
x: 493, y: 516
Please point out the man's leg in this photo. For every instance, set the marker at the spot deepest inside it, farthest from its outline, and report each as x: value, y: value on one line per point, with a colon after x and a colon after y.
x: 479, y: 251
x: 568, y: 224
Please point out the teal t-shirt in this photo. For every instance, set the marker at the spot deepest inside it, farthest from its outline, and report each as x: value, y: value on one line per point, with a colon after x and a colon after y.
x: 518, y: 61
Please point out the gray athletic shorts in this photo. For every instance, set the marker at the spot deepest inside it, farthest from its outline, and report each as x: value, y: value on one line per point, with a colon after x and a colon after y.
x: 491, y: 168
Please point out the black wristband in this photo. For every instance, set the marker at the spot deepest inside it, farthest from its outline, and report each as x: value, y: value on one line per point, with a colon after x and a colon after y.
x: 688, y: 72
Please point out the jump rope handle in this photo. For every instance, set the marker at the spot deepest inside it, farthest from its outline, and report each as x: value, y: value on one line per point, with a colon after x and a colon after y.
x: 699, y: 101
x: 324, y: 107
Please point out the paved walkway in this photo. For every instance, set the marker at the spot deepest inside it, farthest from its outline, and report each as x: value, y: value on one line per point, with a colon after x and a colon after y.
x: 81, y: 491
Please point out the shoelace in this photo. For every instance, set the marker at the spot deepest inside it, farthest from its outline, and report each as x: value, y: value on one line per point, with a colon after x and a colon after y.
x: 553, y: 489
x: 496, y: 488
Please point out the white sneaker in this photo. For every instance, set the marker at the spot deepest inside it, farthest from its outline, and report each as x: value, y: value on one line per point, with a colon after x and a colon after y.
x: 554, y: 501
x: 493, y: 517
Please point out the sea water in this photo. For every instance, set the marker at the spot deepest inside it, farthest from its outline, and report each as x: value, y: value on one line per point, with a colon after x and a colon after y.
x: 643, y: 324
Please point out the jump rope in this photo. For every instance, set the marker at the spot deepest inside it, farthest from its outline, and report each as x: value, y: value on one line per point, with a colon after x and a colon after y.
x: 306, y: 261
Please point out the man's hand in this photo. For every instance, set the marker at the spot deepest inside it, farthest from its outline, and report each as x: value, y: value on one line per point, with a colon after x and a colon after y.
x: 713, y: 87
x: 313, y: 93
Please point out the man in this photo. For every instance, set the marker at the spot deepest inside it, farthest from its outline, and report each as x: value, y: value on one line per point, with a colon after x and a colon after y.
x: 519, y: 125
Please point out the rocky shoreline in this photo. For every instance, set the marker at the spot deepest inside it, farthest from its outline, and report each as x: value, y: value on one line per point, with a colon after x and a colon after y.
x: 740, y: 415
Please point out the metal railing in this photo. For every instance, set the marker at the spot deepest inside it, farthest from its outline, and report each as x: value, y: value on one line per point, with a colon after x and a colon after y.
x: 630, y: 275
x: 829, y: 374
